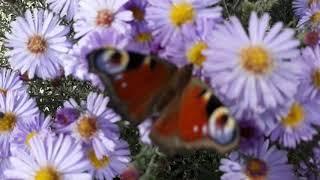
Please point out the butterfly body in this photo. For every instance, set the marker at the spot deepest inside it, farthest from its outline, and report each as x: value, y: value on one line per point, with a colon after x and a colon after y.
x: 189, y: 115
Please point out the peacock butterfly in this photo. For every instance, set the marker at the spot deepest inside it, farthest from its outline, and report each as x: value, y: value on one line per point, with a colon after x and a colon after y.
x: 189, y: 115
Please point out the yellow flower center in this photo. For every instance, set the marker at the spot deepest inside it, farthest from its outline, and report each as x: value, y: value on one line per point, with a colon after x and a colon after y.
x: 3, y: 91
x: 37, y: 44
x: 194, y: 54
x: 315, y: 76
x: 256, y: 169
x: 98, y: 163
x: 29, y: 137
x: 294, y: 117
x: 104, y: 17
x: 47, y: 173
x: 256, y: 60
x: 87, y: 126
x: 315, y: 18
x: 143, y: 37
x: 138, y: 14
x: 7, y: 122
x: 181, y: 13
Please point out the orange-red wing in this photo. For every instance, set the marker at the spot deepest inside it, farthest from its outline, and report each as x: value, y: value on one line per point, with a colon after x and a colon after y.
x: 134, y: 81
x: 139, y: 88
x: 184, y: 123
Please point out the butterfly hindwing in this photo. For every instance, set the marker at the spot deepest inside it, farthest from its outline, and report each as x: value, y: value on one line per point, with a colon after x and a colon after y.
x: 195, y: 120
x: 135, y: 82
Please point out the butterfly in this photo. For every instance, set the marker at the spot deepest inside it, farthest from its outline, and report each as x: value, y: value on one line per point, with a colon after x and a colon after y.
x: 188, y: 114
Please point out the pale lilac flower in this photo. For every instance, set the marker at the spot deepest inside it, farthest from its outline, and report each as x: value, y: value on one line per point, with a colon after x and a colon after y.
x: 37, y: 42
x: 255, y: 71
x: 65, y: 8
x: 95, y: 126
x: 112, y: 165
x: 310, y: 79
x: 56, y: 157
x: 14, y: 108
x: 297, y: 124
x: 311, y: 18
x: 10, y: 81
x: 171, y: 20
x: 300, y: 7
x: 101, y: 14
x: 263, y: 162
x: 26, y: 130
x: 190, y: 49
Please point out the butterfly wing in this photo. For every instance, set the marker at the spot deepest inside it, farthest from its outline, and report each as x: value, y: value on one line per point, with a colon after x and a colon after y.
x: 138, y: 84
x: 195, y: 120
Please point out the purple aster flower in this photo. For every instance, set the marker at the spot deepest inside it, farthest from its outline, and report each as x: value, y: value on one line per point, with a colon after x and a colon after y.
x: 142, y: 40
x: 101, y: 14
x: 301, y: 6
x: 50, y: 158
x: 95, y: 127
x: 37, y: 41
x: 311, y: 38
x: 65, y: 8
x: 138, y: 9
x: 111, y: 166
x: 65, y: 116
x: 263, y: 162
x: 14, y: 108
x: 76, y: 62
x: 25, y: 131
x: 314, y: 161
x: 144, y: 131
x: 172, y: 19
x: 256, y: 71
x: 297, y: 124
x: 250, y: 134
x: 190, y: 51
x: 10, y: 81
x: 310, y: 79
x: 311, y: 17
x: 305, y: 173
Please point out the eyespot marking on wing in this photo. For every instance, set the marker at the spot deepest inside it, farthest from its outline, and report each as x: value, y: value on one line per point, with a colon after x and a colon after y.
x: 222, y: 126
x: 111, y: 61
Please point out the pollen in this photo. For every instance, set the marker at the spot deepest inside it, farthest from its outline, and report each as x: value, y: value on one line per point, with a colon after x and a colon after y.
x: 315, y: 77
x: 37, y: 44
x: 143, y: 37
x: 256, y: 60
x: 181, y: 14
x: 47, y: 173
x: 294, y: 117
x: 138, y: 13
x: 29, y: 137
x: 7, y: 122
x: 194, y: 54
x: 87, y: 126
x: 104, y: 18
x: 315, y: 18
x: 98, y: 163
x: 3, y: 91
x: 256, y: 169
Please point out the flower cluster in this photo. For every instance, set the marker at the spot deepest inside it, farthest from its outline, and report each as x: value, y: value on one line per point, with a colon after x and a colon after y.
x: 80, y: 141
x: 271, y: 86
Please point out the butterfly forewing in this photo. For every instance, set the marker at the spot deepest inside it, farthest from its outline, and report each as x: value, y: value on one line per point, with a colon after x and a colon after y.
x: 135, y: 82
